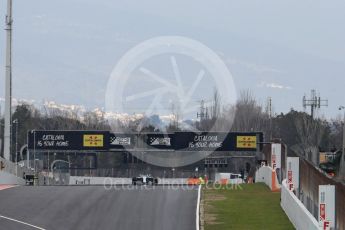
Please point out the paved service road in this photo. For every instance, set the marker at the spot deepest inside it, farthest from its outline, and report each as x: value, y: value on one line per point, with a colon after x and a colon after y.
x: 93, y: 207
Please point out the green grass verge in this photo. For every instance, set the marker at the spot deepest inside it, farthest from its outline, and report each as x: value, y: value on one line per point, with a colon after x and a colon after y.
x: 250, y: 206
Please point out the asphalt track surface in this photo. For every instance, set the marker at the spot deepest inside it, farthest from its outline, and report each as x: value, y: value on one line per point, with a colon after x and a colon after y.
x: 94, y: 207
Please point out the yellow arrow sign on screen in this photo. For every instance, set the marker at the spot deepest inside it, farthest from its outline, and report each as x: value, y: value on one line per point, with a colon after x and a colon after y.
x: 93, y: 141
x: 246, y: 142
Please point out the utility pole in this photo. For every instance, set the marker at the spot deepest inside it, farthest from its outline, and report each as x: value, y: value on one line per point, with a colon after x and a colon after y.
x: 8, y: 82
x: 175, y: 113
x: 270, y: 115
x: 203, y: 115
x: 315, y: 102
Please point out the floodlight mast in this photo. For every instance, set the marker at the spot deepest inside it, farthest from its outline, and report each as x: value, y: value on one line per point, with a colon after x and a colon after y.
x: 8, y: 82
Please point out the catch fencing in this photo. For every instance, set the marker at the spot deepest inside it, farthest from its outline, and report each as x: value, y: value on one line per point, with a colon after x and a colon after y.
x: 17, y: 169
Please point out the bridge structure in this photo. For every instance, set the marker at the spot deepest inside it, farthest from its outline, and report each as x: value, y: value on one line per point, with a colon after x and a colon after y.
x: 63, y: 140
x: 195, y: 150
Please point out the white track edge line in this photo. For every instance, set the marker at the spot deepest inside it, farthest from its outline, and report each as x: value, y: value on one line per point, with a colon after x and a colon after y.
x: 198, y: 209
x: 21, y: 222
x: 11, y: 186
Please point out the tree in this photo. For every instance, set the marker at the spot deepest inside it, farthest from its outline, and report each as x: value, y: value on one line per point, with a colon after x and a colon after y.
x: 249, y: 114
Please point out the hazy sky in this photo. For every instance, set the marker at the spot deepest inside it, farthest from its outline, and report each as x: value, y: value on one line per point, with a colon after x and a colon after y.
x: 65, y: 50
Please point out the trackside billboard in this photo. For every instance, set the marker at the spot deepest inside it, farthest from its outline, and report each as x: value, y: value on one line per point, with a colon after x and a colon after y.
x: 292, y: 175
x: 276, y: 156
x: 62, y: 140
x: 326, y: 207
x: 68, y: 140
x: 217, y: 141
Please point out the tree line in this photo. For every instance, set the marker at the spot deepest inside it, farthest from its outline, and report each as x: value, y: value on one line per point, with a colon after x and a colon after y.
x: 297, y: 129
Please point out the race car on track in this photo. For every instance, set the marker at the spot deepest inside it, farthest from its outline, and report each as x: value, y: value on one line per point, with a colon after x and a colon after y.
x: 144, y: 180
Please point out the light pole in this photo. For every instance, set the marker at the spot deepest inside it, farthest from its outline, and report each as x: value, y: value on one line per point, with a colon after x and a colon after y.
x: 8, y: 82
x: 16, y: 155
x: 16, y: 122
x: 342, y: 163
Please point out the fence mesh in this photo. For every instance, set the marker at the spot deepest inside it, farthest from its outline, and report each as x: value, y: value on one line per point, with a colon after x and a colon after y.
x: 19, y: 170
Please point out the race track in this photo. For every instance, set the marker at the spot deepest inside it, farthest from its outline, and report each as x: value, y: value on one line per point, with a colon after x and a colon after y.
x: 94, y: 207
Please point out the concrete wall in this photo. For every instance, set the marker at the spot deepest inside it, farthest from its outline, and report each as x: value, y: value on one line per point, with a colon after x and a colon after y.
x: 172, y: 180
x: 226, y: 176
x: 268, y: 176
x: 79, y: 180
x: 299, y: 216
x: 264, y: 174
x: 8, y: 178
x: 75, y: 180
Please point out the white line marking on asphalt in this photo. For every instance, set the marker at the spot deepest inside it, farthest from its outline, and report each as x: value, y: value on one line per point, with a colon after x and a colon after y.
x: 21, y: 222
x: 198, y: 209
x: 4, y: 187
